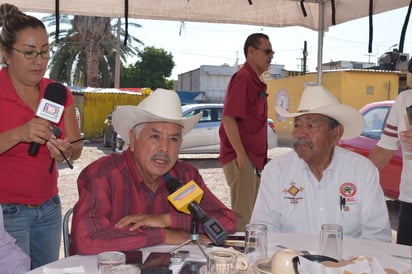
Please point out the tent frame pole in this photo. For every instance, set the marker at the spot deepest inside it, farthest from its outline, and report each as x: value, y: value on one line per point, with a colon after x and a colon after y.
x: 320, y: 39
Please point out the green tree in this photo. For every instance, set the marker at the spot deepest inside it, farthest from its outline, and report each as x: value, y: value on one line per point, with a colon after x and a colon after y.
x: 86, y: 52
x: 129, y: 76
x: 151, y: 70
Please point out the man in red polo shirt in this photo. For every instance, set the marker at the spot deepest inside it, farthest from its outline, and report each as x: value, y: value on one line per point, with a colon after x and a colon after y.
x: 243, y: 132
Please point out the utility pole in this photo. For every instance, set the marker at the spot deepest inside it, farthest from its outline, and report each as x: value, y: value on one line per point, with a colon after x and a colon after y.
x: 369, y: 57
x: 305, y: 55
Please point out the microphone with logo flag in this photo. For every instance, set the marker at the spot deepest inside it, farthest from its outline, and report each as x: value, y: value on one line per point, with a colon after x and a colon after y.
x: 51, y: 108
x: 186, y: 198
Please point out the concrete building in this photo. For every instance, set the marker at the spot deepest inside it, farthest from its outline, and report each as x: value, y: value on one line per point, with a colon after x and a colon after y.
x: 337, y: 65
x: 213, y: 80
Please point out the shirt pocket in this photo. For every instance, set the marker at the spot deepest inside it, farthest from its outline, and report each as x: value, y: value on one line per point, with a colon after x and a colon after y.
x: 351, y: 219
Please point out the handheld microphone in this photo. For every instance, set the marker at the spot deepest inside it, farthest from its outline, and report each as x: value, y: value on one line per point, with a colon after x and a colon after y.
x: 186, y: 198
x: 51, y: 108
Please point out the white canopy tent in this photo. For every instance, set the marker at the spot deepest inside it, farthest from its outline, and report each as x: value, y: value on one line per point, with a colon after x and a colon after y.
x: 320, y: 14
x: 272, y: 13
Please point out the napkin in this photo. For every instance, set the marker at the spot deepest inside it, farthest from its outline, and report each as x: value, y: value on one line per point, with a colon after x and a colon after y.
x: 358, y: 265
x: 67, y: 270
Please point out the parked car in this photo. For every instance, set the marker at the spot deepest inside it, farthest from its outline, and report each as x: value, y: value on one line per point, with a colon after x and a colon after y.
x: 375, y: 115
x: 204, y: 137
x: 110, y: 136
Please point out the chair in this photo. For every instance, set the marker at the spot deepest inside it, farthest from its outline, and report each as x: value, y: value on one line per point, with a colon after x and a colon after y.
x: 66, y: 232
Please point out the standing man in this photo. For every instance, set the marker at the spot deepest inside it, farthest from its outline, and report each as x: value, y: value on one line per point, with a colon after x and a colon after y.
x: 243, y: 132
x: 398, y: 132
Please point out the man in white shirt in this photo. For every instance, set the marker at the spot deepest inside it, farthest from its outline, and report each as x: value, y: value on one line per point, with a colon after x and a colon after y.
x: 319, y: 182
x: 397, y: 131
x: 12, y: 259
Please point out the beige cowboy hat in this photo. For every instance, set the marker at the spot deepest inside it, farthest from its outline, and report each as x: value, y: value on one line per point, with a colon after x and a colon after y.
x: 162, y: 105
x: 318, y: 100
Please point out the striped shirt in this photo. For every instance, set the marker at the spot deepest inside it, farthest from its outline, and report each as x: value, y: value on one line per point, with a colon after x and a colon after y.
x: 112, y: 188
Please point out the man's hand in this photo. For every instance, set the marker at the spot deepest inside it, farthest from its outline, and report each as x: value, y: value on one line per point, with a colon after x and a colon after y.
x: 241, y: 159
x: 148, y: 220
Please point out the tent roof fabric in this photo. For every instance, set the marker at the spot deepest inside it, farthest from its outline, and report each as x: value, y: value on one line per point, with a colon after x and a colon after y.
x: 272, y: 13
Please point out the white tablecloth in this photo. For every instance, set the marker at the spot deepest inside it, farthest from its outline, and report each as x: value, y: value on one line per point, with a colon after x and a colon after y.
x: 351, y: 247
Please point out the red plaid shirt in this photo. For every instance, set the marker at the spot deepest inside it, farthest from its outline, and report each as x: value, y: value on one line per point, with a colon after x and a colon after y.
x: 112, y: 188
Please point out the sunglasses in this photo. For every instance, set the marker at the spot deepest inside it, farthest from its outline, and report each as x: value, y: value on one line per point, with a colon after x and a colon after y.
x: 267, y: 51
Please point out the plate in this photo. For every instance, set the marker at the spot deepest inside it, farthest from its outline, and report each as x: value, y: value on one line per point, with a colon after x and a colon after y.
x: 203, y: 269
x: 263, y: 266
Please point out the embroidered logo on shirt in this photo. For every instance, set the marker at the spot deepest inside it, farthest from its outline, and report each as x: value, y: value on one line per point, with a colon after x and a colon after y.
x: 292, y: 191
x: 348, y: 190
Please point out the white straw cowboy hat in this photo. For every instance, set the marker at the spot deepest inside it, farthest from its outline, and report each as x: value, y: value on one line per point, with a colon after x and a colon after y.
x: 162, y: 105
x: 318, y: 100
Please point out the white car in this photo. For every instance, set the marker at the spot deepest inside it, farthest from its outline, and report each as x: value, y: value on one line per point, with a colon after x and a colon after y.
x: 204, y: 137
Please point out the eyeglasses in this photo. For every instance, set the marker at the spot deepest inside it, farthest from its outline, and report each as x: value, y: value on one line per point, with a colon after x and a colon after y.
x: 32, y: 54
x: 267, y: 51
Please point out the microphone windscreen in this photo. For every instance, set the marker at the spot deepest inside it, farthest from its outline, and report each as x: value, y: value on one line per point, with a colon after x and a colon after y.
x: 173, y: 184
x: 56, y: 92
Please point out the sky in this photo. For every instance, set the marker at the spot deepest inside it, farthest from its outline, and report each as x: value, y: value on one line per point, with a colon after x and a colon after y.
x: 194, y: 44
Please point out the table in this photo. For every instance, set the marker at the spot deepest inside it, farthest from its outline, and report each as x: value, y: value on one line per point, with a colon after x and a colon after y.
x: 351, y: 247
x: 382, y: 251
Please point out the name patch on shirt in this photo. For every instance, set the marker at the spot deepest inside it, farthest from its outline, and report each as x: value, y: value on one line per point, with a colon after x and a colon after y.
x: 292, y: 192
x: 348, y: 190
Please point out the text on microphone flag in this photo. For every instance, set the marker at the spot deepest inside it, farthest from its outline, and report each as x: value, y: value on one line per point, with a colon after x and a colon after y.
x: 182, y: 197
x: 50, y: 110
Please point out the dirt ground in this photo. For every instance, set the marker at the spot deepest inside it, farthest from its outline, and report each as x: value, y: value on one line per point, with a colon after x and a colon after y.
x: 208, y: 165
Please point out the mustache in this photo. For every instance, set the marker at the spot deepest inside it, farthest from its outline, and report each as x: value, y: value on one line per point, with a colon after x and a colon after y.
x: 161, y: 155
x: 302, y: 141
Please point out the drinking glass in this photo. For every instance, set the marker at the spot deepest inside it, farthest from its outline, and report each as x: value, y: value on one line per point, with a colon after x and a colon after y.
x: 256, y: 242
x: 221, y: 262
x: 125, y: 269
x: 331, y: 241
x: 106, y: 260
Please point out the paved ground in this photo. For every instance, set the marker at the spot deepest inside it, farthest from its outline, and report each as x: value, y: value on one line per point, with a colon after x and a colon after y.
x: 208, y: 165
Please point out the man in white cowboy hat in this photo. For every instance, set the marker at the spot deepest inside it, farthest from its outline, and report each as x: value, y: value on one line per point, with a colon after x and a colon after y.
x: 123, y: 197
x: 320, y: 182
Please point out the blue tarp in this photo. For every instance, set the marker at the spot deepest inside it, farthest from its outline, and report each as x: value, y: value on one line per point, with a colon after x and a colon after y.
x: 188, y: 97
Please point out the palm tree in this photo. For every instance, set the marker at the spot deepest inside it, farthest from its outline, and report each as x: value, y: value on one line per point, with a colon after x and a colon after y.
x: 86, y: 52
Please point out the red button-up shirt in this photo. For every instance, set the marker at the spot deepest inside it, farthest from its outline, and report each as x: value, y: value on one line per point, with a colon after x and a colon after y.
x: 112, y: 188
x: 246, y: 100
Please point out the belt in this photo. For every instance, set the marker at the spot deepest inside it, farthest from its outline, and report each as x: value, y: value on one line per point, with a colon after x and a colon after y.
x: 257, y: 172
x: 32, y: 206
x: 27, y: 205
